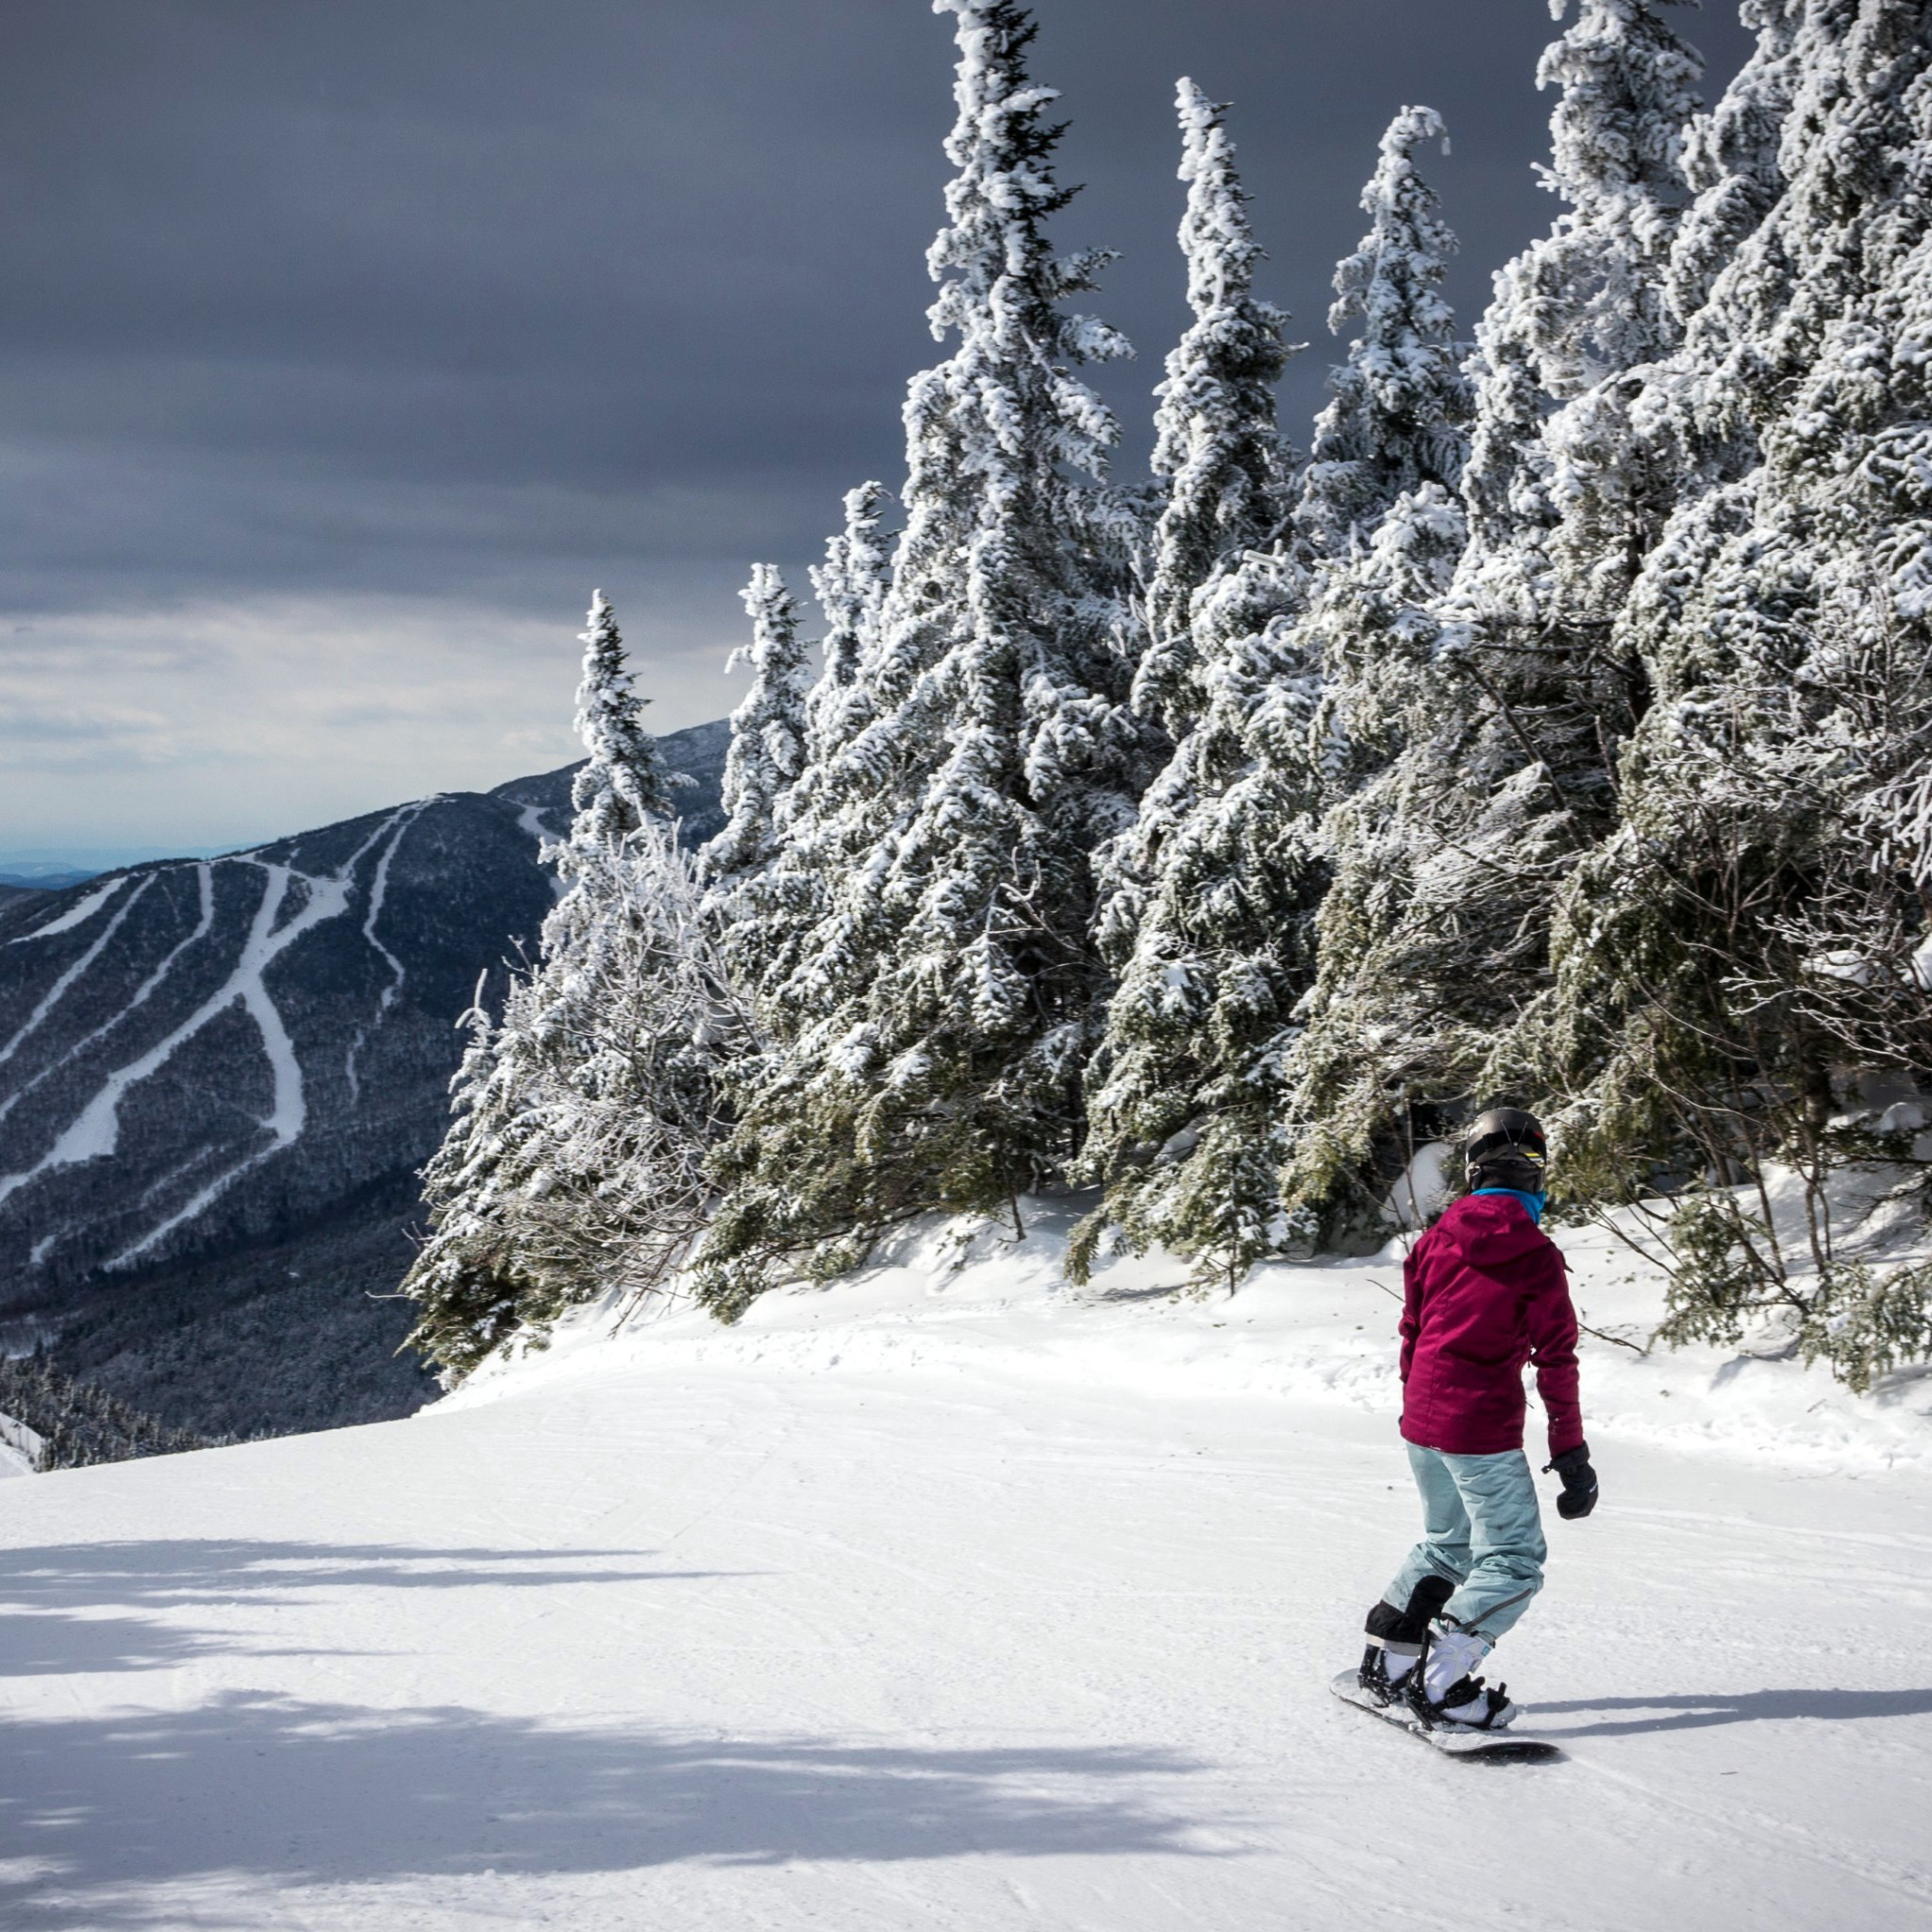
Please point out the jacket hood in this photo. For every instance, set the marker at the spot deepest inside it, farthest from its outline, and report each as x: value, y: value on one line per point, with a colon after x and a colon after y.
x: 1490, y: 1230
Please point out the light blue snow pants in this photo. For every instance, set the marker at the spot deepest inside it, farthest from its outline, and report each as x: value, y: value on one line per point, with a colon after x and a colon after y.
x: 1481, y: 1530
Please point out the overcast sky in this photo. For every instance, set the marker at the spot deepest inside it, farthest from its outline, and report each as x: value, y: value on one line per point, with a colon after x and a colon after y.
x: 347, y: 345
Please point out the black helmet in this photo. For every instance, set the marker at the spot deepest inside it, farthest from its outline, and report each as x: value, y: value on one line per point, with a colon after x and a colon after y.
x: 1505, y: 1149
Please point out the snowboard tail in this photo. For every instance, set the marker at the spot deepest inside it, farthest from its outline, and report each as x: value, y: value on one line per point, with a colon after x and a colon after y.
x: 1489, y: 1747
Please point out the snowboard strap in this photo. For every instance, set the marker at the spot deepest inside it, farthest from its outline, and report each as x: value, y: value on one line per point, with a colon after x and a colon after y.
x: 1433, y: 1716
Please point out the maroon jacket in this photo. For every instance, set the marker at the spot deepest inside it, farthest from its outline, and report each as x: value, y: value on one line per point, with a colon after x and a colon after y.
x: 1487, y: 1293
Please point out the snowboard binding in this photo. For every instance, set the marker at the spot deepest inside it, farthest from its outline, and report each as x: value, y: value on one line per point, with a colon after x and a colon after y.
x: 1467, y: 1703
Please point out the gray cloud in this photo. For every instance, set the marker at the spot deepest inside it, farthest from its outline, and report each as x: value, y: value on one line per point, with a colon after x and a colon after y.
x: 369, y: 312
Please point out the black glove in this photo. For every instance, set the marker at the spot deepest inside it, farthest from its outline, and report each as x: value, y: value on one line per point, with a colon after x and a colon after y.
x: 1579, y: 1482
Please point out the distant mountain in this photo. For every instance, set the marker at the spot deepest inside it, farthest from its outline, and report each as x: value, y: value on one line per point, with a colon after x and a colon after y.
x: 50, y: 869
x: 218, y: 1078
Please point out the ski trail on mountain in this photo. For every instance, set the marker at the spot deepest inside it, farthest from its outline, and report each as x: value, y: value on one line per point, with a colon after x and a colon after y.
x: 530, y: 819
x: 75, y: 915
x: 204, y: 882
x: 288, y: 1114
x: 177, y: 1173
x: 142, y: 993
x: 94, y: 1132
x: 59, y: 989
x: 329, y: 898
x: 378, y: 890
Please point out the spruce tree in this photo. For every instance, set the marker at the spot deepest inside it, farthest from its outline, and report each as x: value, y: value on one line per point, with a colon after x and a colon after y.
x: 821, y: 820
x: 941, y: 1012
x: 1577, y: 311
x: 1730, y: 157
x: 851, y: 587
x: 1217, y: 446
x: 1223, y: 874
x: 1389, y: 449
x: 765, y: 759
x: 1435, y: 939
x: 1212, y: 926
x: 622, y: 782
x: 1398, y: 408
x: 580, y: 1119
x: 767, y: 729
x: 1740, y: 960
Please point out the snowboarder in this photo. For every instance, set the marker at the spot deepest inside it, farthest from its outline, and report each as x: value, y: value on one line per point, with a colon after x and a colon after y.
x: 1486, y: 1291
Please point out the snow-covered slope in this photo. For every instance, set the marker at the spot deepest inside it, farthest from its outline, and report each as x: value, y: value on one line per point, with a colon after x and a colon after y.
x: 953, y: 1299
x: 960, y: 1599
x: 200, y: 1056
x: 170, y: 1033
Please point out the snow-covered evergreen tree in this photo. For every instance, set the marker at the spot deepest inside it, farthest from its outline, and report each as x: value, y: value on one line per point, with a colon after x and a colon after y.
x: 622, y: 782
x: 1217, y: 446
x: 767, y: 729
x: 821, y: 819
x: 1730, y: 157
x: 1391, y: 445
x: 1739, y: 962
x: 581, y: 1119
x: 1435, y: 939
x: 1577, y: 311
x: 1398, y: 408
x: 1223, y: 874
x: 942, y: 1014
x: 1212, y: 921
x: 851, y: 586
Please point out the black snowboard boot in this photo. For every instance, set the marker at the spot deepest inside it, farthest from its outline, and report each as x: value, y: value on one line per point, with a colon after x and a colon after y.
x: 1396, y: 1637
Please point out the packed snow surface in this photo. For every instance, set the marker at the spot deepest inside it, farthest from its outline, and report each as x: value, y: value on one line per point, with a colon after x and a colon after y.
x: 955, y: 1597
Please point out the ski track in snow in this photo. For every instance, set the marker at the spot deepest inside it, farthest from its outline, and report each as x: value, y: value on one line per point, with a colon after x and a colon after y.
x: 94, y: 1132
x: 62, y: 986
x: 75, y: 915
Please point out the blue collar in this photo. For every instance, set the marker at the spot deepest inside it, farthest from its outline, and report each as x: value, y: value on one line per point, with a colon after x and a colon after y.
x: 1533, y: 1202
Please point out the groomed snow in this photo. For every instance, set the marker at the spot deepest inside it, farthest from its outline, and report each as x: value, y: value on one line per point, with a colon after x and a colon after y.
x: 962, y: 1599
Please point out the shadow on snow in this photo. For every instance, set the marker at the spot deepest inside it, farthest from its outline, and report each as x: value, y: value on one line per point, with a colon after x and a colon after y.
x: 50, y: 1625
x: 256, y: 1788
x: 199, y: 1569
x: 1747, y: 1707
x: 252, y: 1787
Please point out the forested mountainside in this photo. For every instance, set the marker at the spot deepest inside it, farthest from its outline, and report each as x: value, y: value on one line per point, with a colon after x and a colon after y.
x: 219, y: 1077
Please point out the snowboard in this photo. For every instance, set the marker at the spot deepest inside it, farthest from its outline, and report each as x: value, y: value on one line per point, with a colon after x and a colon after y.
x: 1485, y: 1747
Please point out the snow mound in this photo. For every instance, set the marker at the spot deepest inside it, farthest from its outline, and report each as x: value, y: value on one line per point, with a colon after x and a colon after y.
x: 966, y: 1297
